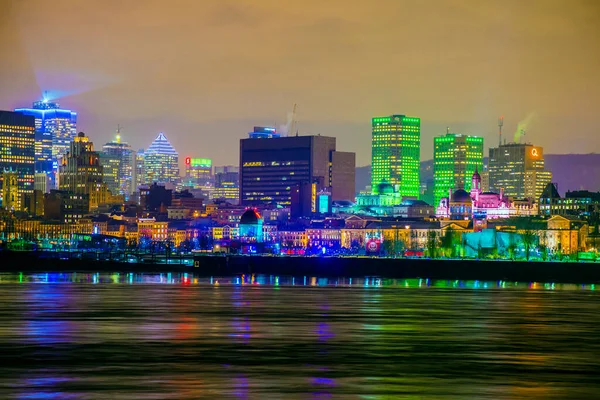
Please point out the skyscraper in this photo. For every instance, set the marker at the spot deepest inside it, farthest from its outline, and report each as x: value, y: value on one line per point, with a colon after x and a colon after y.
x: 80, y: 173
x: 17, y: 151
x: 270, y: 167
x: 396, y: 154
x: 198, y: 172
x: 55, y: 129
x: 117, y: 157
x: 161, y: 162
x: 227, y: 185
x: 455, y: 158
x: 518, y: 169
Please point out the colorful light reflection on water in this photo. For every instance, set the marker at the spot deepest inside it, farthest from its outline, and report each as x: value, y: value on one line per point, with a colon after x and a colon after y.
x: 276, y: 281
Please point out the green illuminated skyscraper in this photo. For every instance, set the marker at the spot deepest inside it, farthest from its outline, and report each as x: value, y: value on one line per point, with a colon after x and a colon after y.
x: 455, y: 159
x: 396, y: 154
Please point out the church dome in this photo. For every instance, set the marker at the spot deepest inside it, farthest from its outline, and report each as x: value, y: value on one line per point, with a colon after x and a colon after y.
x: 385, y: 188
x: 460, y: 196
x: 250, y: 217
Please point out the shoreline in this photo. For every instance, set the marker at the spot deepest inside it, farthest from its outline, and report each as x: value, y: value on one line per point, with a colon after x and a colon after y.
x: 400, y: 268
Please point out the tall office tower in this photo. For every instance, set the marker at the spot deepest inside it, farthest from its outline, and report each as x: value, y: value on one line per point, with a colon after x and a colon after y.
x: 80, y: 172
x: 161, y: 162
x: 198, y: 172
x: 55, y: 129
x: 455, y: 159
x: 227, y: 184
x: 17, y: 152
x: 140, y: 170
x: 519, y: 170
x: 118, y: 158
x: 270, y: 167
x: 110, y: 171
x: 396, y: 154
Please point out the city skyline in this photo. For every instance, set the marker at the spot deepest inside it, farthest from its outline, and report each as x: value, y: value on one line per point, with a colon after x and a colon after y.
x: 224, y: 90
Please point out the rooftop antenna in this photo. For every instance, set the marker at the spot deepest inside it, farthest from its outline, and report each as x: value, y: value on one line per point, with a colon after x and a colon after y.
x: 447, y: 130
x: 118, y: 133
x: 500, y: 124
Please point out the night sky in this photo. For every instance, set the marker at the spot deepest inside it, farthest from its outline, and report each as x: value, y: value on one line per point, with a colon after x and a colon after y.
x: 204, y: 72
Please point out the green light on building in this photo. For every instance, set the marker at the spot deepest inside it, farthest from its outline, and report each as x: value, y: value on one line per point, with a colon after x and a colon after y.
x: 455, y: 159
x: 396, y: 153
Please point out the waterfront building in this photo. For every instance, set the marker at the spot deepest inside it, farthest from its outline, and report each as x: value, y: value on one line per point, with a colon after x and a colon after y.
x: 519, y: 170
x: 580, y: 203
x: 55, y: 129
x: 271, y: 167
x: 396, y: 154
x: 81, y: 174
x: 161, y: 162
x: 455, y: 158
x: 17, y: 156
x: 118, y: 160
x: 251, y: 227
x: 460, y: 204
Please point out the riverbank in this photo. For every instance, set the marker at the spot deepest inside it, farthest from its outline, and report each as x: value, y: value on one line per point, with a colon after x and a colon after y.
x: 219, y: 265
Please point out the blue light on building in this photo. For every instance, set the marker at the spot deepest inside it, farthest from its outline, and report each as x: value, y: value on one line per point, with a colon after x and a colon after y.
x: 55, y: 129
x: 263, y: 132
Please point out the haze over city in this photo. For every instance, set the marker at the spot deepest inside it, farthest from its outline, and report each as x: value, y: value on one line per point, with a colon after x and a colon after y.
x: 206, y: 72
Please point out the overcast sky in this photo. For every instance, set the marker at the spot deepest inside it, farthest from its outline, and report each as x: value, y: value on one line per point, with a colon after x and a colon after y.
x: 205, y: 72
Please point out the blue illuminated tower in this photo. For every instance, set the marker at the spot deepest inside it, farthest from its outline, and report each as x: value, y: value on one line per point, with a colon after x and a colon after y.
x: 55, y: 129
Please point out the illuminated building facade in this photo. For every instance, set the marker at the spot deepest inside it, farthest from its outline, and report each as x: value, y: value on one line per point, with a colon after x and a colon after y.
x: 396, y: 153
x: 17, y: 153
x: 198, y: 172
x: 80, y: 172
x: 263, y: 132
x: 455, y: 159
x: 227, y: 185
x: 55, y: 129
x: 271, y: 167
x: 118, y: 160
x: 161, y: 162
x: 518, y: 169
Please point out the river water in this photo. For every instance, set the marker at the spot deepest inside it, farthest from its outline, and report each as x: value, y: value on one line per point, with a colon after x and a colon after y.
x: 175, y: 336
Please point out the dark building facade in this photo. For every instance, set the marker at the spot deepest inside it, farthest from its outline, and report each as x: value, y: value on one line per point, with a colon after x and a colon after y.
x: 271, y: 167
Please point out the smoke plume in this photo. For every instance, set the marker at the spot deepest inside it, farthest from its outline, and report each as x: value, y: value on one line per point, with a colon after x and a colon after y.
x: 523, y: 126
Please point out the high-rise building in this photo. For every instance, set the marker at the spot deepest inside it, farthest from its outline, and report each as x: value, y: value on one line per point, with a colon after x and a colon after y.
x: 80, y: 172
x: 161, y: 162
x: 455, y: 159
x: 55, y: 129
x: 17, y: 153
x: 227, y: 184
x: 519, y: 170
x: 118, y: 160
x: 198, y: 172
x: 140, y: 170
x: 396, y: 154
x: 270, y: 167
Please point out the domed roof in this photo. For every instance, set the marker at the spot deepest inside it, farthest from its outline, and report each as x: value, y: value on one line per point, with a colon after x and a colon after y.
x: 385, y: 188
x: 250, y: 217
x: 460, y: 196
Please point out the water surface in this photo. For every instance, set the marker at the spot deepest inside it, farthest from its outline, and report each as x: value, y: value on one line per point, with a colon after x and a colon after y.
x: 176, y: 336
